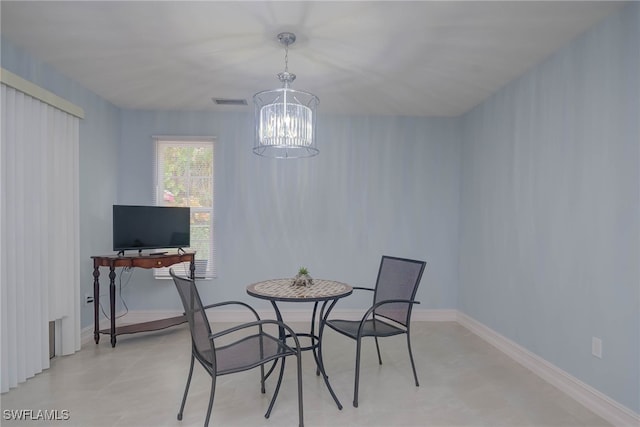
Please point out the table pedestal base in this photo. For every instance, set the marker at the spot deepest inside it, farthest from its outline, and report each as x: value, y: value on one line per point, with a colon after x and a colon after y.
x: 316, y: 344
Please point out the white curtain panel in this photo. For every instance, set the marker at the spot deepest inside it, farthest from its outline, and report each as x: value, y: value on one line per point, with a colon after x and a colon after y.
x: 39, y: 255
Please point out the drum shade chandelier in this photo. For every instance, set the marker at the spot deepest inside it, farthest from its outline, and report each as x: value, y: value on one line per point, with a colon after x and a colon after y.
x: 285, y: 119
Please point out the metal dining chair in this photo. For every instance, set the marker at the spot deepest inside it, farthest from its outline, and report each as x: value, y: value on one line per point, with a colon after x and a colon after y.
x: 390, y: 313
x: 251, y: 349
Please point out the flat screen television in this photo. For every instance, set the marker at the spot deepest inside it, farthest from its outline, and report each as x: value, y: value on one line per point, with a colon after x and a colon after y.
x: 150, y: 227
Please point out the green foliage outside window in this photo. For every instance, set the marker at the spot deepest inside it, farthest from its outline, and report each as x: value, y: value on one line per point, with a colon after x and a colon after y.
x: 188, y: 176
x: 188, y: 181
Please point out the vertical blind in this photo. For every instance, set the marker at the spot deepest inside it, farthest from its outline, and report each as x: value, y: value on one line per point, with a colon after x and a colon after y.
x: 39, y: 224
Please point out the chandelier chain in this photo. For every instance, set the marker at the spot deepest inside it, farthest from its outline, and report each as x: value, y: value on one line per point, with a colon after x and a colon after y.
x: 286, y: 57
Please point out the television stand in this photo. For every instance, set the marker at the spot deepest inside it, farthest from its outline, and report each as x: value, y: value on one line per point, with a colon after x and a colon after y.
x: 139, y: 261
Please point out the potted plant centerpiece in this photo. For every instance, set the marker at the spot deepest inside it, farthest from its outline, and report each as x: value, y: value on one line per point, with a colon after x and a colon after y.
x: 302, y: 278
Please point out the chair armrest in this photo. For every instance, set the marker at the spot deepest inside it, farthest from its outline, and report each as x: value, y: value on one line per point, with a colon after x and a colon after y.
x: 380, y: 303
x: 220, y: 304
x: 258, y: 323
x: 394, y: 301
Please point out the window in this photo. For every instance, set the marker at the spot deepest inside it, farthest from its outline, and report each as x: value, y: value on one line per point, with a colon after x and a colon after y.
x: 184, y: 177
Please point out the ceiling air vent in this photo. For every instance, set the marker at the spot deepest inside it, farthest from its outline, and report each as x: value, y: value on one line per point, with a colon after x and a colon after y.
x: 225, y: 101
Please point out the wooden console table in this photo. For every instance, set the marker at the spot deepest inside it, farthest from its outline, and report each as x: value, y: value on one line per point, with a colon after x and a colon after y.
x: 140, y: 261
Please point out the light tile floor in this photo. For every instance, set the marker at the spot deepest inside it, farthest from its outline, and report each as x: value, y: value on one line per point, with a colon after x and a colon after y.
x: 463, y: 382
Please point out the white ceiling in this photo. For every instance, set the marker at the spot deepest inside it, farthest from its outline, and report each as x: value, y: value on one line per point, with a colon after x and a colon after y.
x: 418, y: 58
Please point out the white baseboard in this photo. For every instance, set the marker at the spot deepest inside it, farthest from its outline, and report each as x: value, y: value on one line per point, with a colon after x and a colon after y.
x: 599, y: 403
x: 86, y: 335
x: 433, y: 315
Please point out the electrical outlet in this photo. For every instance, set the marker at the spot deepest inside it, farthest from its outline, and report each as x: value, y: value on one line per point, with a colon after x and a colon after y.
x: 596, y: 347
x: 88, y: 299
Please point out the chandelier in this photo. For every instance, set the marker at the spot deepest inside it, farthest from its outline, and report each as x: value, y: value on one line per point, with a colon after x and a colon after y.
x: 285, y: 119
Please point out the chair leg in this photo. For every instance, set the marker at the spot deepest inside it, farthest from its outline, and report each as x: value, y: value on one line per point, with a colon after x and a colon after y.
x: 355, y: 387
x: 413, y: 365
x: 268, y: 374
x: 211, y: 395
x: 378, y: 350
x: 300, y: 413
x: 186, y: 389
x: 277, y: 389
x: 262, y: 379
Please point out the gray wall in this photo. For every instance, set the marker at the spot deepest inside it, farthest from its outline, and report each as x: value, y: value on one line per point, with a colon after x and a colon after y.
x: 550, y: 234
x: 381, y: 185
x: 99, y: 136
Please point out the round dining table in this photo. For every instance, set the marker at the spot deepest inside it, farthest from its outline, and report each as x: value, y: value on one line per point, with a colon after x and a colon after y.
x: 327, y: 292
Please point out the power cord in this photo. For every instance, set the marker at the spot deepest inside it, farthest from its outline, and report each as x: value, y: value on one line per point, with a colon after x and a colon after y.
x: 120, y: 287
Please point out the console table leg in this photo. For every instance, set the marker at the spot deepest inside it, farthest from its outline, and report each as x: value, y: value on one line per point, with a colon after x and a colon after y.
x: 96, y: 302
x: 192, y: 269
x: 112, y: 303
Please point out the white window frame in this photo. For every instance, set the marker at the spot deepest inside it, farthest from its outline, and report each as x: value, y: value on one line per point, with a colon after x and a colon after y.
x: 205, y: 269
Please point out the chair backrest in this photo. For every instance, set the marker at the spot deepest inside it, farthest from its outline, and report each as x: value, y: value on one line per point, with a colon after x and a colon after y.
x: 398, y: 278
x: 197, y: 317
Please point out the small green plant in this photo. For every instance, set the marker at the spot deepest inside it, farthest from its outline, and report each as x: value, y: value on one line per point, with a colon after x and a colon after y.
x: 303, y: 278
